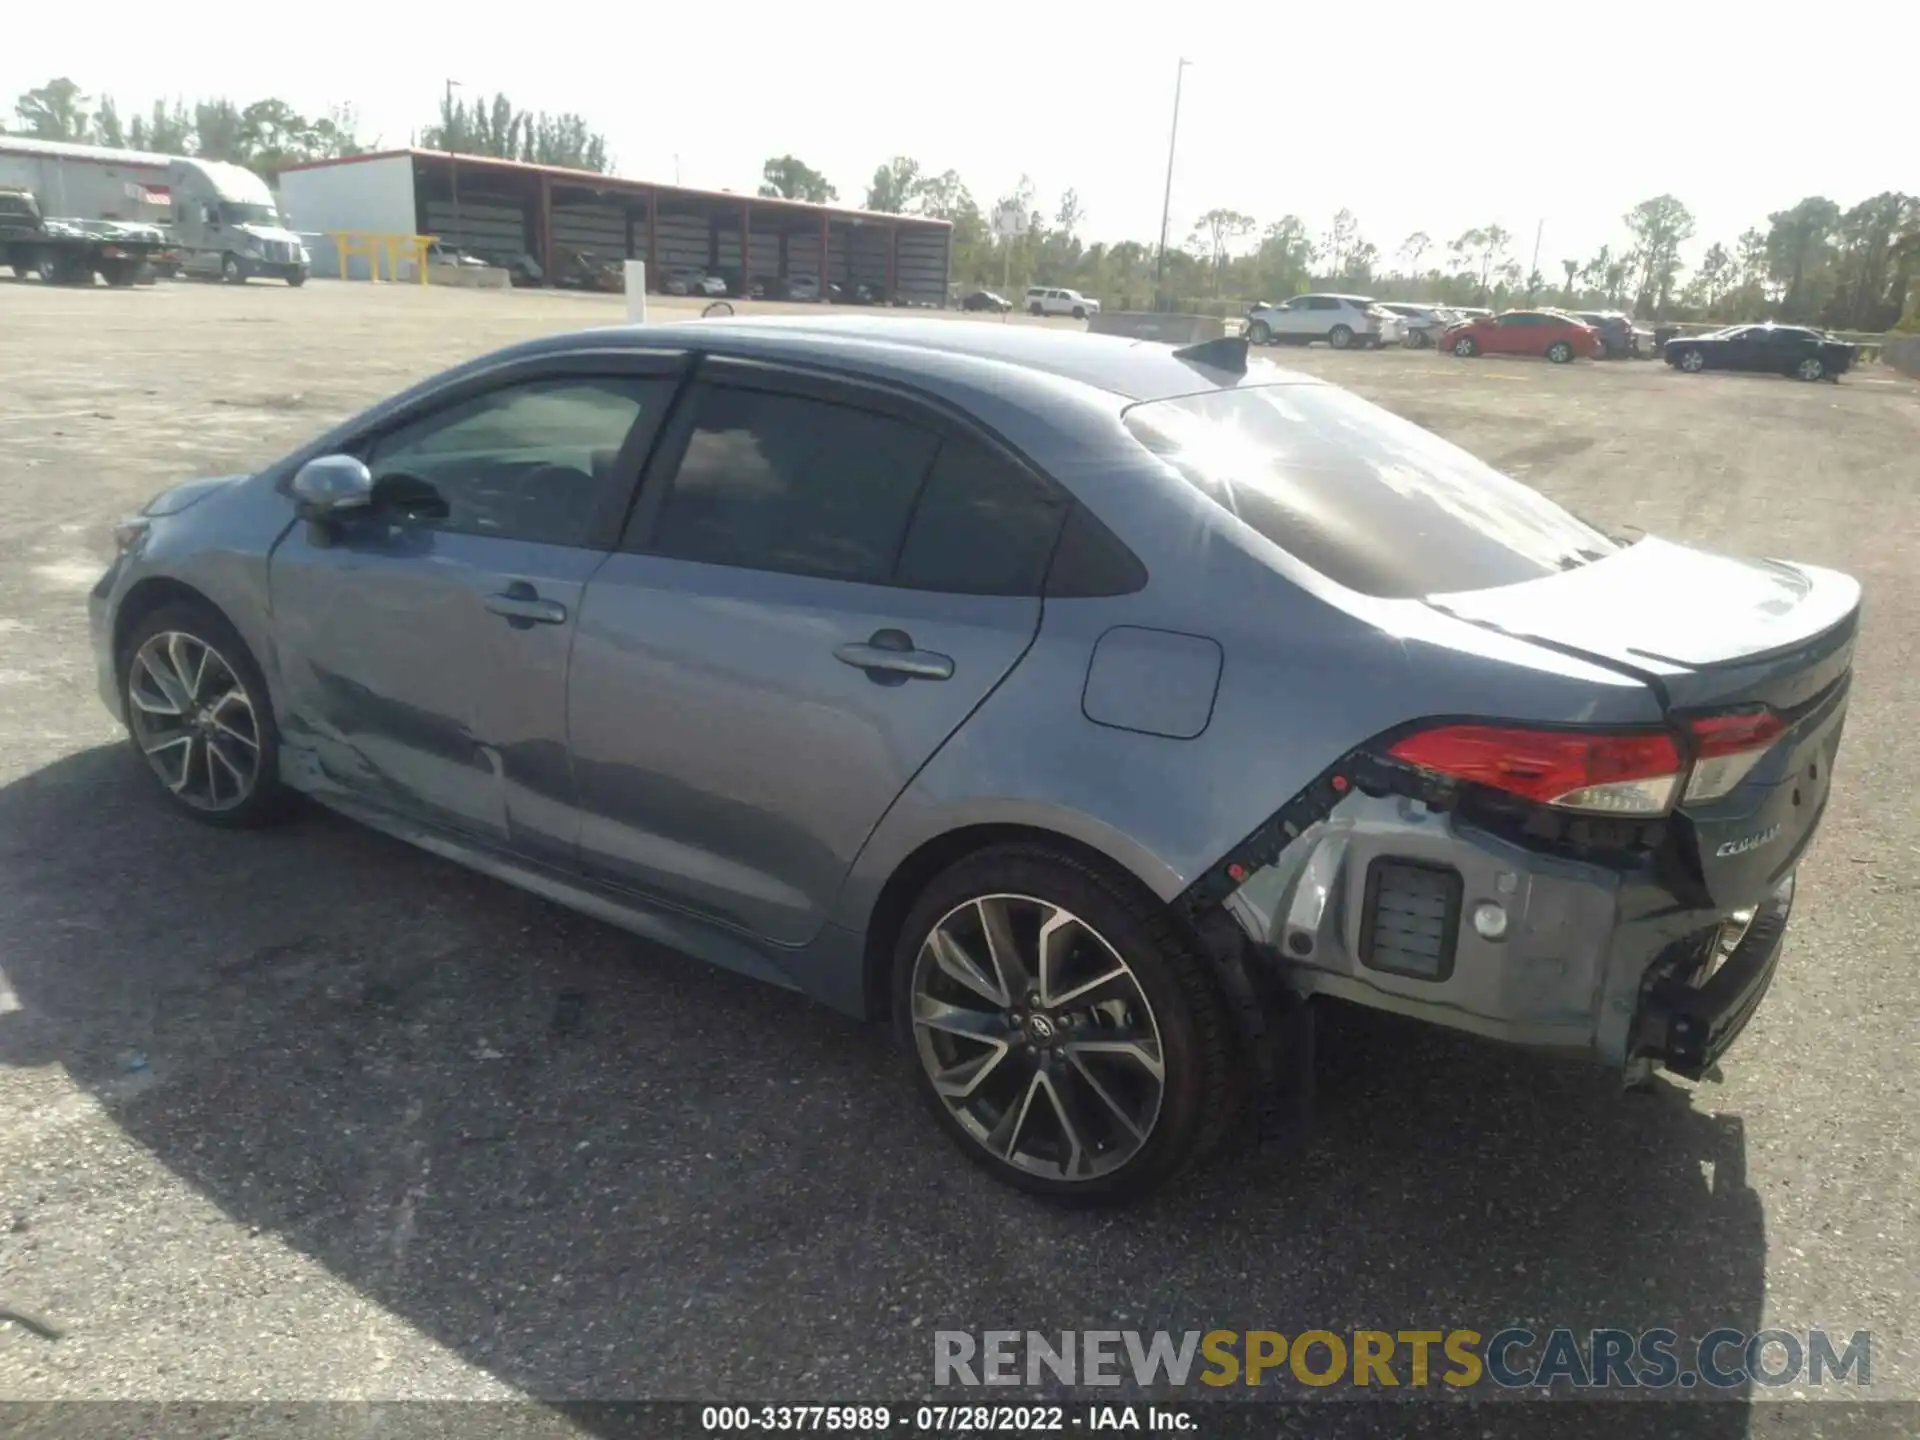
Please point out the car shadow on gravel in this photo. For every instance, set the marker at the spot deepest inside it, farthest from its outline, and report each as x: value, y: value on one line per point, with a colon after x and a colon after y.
x: 597, y: 1171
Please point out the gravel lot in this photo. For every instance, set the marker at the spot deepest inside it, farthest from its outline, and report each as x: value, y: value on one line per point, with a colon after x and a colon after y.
x: 303, y: 1114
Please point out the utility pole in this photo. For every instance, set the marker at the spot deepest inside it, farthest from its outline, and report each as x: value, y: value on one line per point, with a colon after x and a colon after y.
x: 1534, y: 268
x: 1166, y: 202
x: 453, y: 163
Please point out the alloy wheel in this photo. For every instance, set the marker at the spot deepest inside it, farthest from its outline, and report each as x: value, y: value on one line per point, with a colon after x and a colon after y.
x: 1693, y: 362
x: 1810, y: 369
x: 1038, y: 1037
x: 194, y: 721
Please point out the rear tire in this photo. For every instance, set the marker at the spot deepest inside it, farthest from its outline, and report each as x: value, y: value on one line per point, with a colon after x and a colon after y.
x: 1089, y: 1054
x: 1810, y: 368
x: 120, y: 273
x: 1340, y: 337
x: 1560, y: 352
x: 199, y: 717
x: 1035, y: 310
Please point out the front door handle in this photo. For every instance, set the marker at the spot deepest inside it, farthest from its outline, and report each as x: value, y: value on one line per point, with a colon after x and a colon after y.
x: 888, y: 656
x: 521, y: 602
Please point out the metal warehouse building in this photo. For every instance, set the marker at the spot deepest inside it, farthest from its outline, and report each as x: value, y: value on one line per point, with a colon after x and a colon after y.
x: 502, y: 207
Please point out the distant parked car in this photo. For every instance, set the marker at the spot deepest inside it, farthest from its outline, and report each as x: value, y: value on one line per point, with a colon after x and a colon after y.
x: 692, y: 282
x: 985, y: 300
x: 1043, y: 300
x: 1556, y: 337
x: 803, y: 287
x: 1423, y: 322
x: 1340, y: 320
x: 1770, y: 349
x: 1618, y: 335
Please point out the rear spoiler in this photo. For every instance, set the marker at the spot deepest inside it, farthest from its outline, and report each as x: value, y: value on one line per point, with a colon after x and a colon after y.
x: 1228, y: 353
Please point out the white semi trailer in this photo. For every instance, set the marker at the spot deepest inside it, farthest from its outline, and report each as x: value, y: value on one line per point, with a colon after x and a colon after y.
x: 222, y: 219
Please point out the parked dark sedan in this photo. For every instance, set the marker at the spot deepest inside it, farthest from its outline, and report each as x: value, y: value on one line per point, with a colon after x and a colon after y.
x: 1772, y: 349
x: 985, y: 300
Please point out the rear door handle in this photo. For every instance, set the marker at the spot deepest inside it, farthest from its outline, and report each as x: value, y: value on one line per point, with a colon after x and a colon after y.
x: 522, y: 602
x: 889, y: 656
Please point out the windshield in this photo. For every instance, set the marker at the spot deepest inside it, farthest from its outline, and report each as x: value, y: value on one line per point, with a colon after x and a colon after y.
x: 235, y: 212
x: 1371, y: 501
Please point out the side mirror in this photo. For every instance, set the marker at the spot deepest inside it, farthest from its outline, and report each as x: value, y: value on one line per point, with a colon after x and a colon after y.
x: 331, y: 485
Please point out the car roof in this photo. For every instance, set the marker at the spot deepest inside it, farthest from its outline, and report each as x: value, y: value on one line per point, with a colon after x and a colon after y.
x: 885, y: 346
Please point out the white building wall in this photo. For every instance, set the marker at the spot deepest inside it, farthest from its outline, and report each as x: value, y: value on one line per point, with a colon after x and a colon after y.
x: 375, y: 194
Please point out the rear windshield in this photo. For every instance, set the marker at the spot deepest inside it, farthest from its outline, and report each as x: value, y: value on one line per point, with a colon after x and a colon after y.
x: 1371, y: 501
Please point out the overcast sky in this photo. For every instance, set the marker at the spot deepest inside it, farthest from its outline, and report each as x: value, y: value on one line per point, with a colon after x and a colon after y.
x: 1433, y: 117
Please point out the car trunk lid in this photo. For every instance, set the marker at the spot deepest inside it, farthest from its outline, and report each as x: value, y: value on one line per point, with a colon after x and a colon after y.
x: 1711, y: 635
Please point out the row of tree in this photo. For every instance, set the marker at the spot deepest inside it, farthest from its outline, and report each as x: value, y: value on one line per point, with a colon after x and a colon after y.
x: 269, y: 135
x: 266, y: 134
x: 1812, y: 262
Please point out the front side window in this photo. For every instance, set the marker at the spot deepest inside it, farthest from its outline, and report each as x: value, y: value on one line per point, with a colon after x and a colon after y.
x: 531, y: 461
x: 1371, y: 501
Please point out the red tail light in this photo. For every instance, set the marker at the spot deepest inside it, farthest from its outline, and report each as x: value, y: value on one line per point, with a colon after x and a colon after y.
x: 1726, y: 748
x: 1599, y: 772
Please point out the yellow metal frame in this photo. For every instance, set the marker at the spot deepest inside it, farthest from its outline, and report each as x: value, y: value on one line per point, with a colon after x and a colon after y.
x: 370, y: 245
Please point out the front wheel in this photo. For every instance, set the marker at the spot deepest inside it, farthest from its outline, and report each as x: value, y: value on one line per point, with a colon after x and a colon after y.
x: 232, y: 271
x: 1068, y: 1038
x: 1692, y: 361
x: 296, y: 278
x: 1259, y: 333
x: 1466, y: 347
x: 1079, y: 312
x: 120, y: 273
x: 1810, y: 368
x: 1340, y: 337
x: 1417, y: 340
x: 199, y: 718
x: 1560, y: 352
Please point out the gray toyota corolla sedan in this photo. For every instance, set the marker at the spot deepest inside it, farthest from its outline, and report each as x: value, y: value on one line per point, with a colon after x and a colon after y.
x: 1092, y: 708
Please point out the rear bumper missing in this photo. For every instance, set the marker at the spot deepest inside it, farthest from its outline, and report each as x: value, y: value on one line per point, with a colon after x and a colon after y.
x: 1591, y: 960
x: 1691, y: 1018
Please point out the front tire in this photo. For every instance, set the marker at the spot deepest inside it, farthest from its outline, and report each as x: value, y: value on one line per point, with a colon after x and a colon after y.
x: 1560, y: 352
x: 199, y: 717
x: 1340, y: 337
x: 1466, y: 347
x: 1259, y: 333
x: 232, y: 271
x: 296, y: 278
x: 1691, y: 361
x: 1066, y: 1034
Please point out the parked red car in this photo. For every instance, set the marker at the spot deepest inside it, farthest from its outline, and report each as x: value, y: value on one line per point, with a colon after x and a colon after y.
x: 1523, y: 332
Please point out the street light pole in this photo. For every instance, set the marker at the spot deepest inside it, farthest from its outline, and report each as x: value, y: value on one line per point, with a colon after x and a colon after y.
x: 1166, y: 202
x: 453, y: 163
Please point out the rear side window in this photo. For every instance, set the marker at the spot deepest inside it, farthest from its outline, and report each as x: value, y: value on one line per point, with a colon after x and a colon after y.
x: 1369, y: 500
x: 982, y: 527
x: 781, y: 482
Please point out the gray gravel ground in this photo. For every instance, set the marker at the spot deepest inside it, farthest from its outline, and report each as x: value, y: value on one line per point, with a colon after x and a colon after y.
x: 301, y: 1114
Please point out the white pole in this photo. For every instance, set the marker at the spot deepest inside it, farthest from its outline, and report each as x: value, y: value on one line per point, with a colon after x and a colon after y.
x: 637, y: 291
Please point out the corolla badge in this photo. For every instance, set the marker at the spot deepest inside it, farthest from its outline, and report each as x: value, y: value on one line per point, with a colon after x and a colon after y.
x: 1750, y: 842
